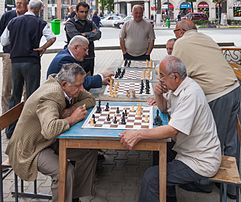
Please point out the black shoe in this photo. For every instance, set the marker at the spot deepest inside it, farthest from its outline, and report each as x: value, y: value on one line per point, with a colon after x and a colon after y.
x: 231, y: 196
x: 101, y: 157
x: 76, y: 200
x: 196, y: 187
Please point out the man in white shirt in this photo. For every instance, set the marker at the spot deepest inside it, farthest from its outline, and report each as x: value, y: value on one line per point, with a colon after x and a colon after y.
x: 197, y: 149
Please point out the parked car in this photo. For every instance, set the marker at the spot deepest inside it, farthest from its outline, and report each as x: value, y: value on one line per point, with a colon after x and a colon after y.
x: 196, y: 16
x: 109, y: 20
x: 120, y: 23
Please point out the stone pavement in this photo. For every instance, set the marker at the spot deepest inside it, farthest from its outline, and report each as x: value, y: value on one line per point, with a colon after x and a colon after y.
x: 118, y: 177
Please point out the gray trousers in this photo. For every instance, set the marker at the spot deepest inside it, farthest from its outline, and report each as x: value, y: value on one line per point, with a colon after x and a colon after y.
x: 225, y: 110
x: 80, y: 177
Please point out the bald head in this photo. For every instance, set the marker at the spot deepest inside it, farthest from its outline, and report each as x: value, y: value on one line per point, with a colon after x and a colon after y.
x: 183, y: 26
x: 137, y: 12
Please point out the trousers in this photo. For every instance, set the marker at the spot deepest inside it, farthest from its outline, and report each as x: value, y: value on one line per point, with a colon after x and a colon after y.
x: 6, y: 82
x: 80, y: 177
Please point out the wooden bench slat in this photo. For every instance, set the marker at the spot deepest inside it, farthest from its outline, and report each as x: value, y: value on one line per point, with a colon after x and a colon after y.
x: 228, y: 171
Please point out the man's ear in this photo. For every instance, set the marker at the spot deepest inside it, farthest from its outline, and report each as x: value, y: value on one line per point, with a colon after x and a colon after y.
x: 63, y: 84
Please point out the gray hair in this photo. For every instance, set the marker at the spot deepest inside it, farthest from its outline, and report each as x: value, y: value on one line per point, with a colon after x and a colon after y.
x: 69, y: 71
x: 138, y: 6
x: 175, y: 65
x: 33, y: 4
x: 171, y: 40
x: 78, y: 40
x: 186, y: 25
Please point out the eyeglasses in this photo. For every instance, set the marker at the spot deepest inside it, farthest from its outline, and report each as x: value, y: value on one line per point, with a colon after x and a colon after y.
x: 175, y: 30
x: 83, y: 11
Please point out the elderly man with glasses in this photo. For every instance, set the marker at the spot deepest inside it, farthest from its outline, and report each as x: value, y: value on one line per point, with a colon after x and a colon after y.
x: 196, y: 154
x: 80, y: 25
x: 207, y: 66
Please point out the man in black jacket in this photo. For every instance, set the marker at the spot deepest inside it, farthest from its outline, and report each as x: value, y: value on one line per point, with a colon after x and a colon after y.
x: 80, y: 25
x: 21, y: 8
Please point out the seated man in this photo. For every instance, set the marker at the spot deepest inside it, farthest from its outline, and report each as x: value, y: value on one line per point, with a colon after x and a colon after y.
x: 32, y: 147
x: 75, y: 53
x: 191, y: 126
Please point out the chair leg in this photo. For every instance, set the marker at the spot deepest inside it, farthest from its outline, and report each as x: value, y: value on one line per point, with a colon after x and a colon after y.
x: 22, y: 186
x: 237, y: 193
x: 35, y: 186
x: 16, y: 187
x: 223, y: 192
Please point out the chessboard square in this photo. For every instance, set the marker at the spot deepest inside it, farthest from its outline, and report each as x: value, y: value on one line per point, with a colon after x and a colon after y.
x: 98, y: 125
x: 145, y: 126
x: 132, y: 115
x: 113, y: 126
x: 138, y: 117
x: 129, y: 126
x: 101, y: 119
x: 137, y: 123
x: 130, y: 120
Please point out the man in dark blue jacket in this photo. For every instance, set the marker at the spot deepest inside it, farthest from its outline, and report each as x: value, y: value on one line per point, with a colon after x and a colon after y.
x: 75, y: 53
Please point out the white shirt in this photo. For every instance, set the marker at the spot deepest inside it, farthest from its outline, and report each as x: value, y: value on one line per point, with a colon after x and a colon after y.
x: 197, y: 144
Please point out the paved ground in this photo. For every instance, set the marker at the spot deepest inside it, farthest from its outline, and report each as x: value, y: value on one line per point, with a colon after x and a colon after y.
x: 119, y: 176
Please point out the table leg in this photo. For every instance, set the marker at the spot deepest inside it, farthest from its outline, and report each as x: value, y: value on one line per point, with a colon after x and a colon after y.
x: 162, y: 171
x: 62, y: 169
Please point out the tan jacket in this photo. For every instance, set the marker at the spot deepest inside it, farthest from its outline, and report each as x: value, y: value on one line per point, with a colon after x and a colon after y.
x: 39, y: 125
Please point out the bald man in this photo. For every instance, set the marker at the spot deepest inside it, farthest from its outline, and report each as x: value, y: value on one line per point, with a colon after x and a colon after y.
x: 206, y: 64
x: 137, y: 36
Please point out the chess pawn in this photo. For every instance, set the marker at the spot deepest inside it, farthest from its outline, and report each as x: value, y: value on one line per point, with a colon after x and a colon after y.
x: 92, y: 123
x: 128, y: 93
x: 146, y: 119
x: 132, y: 108
x: 108, y: 117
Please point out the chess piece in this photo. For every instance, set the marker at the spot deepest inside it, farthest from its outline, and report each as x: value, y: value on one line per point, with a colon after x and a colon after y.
x: 98, y: 109
x: 117, y: 110
x: 108, y: 117
x: 123, y: 119
x: 114, y: 120
x: 133, y: 93
x: 132, y: 108
x: 146, y: 119
x: 126, y: 112
x: 92, y: 122
x: 157, y: 119
x: 147, y: 63
x: 93, y: 118
x: 125, y: 64
x: 150, y: 63
x: 128, y: 93
x: 107, y: 106
x: 139, y: 110
x: 129, y: 63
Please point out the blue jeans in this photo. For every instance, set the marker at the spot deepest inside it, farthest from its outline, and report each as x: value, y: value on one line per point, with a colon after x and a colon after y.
x: 28, y: 73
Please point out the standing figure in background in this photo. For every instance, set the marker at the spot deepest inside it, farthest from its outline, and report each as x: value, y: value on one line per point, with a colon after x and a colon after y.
x: 96, y: 19
x: 21, y: 8
x: 137, y: 36
x: 24, y: 34
x: 80, y: 25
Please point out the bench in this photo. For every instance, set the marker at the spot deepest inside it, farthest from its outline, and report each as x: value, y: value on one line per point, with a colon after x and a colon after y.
x: 233, y: 57
x: 6, y: 119
x: 228, y: 172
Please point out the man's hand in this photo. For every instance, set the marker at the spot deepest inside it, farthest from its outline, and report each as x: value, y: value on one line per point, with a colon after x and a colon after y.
x: 106, y: 77
x: 41, y: 50
x: 151, y: 101
x: 160, y: 88
x: 78, y: 114
x: 130, y: 138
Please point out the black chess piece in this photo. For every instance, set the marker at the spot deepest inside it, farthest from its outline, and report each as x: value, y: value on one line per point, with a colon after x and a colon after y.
x: 117, y: 110
x: 123, y: 118
x: 122, y: 73
x: 98, y: 108
x: 93, y: 116
x: 107, y: 106
x: 125, y: 64
x: 114, y: 120
x: 157, y: 119
x: 129, y: 63
x: 126, y: 112
x: 108, y: 117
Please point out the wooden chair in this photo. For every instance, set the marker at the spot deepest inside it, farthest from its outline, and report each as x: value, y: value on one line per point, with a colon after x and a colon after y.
x: 228, y: 172
x: 233, y: 57
x: 5, y: 120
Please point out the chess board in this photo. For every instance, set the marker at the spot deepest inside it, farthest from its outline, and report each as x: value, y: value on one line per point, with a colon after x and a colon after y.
x: 133, y: 121
x: 140, y: 64
x: 136, y: 74
x: 128, y: 85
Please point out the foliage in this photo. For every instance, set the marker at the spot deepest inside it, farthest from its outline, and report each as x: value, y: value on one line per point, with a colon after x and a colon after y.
x: 107, y: 5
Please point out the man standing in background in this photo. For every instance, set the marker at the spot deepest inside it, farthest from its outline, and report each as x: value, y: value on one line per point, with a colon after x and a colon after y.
x: 80, y: 25
x: 21, y: 8
x: 137, y: 36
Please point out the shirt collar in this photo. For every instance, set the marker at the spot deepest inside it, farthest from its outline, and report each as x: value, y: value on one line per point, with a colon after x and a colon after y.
x: 29, y: 13
x: 182, y: 86
x: 67, y: 97
x: 71, y: 54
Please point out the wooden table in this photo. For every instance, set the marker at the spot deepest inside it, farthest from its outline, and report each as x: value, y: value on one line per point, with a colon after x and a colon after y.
x: 84, y: 138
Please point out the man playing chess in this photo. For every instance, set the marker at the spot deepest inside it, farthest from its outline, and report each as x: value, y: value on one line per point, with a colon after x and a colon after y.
x: 33, y: 146
x: 75, y: 53
x: 196, y: 154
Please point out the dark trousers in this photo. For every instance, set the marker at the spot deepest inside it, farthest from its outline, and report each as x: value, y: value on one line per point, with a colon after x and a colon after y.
x: 27, y: 73
x: 177, y: 173
x: 88, y: 65
x: 127, y: 56
x: 225, y: 110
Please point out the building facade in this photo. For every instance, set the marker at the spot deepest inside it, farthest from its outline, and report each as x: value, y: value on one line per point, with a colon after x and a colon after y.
x: 173, y: 7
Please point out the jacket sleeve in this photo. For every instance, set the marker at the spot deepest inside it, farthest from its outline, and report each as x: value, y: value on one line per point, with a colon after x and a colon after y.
x: 92, y: 82
x: 95, y: 34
